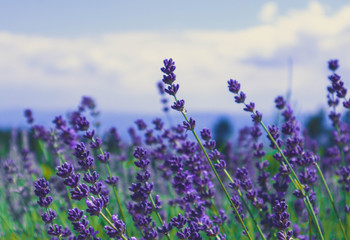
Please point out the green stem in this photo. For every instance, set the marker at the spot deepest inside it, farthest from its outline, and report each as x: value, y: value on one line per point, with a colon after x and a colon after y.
x: 158, y: 215
x: 310, y: 228
x: 216, y: 212
x: 119, y: 204
x: 62, y: 160
x: 246, y: 205
x: 343, y: 164
x: 298, y: 184
x: 331, y: 199
x: 219, y: 179
x: 111, y: 224
x: 252, y: 216
x: 108, y: 212
x: 115, y: 192
x: 217, y: 176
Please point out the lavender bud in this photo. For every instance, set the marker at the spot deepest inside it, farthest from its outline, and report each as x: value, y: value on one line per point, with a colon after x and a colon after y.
x: 233, y: 86
x: 91, y: 178
x: 55, y: 230
x: 178, y: 105
x: 41, y: 188
x: 65, y: 170
x: 280, y: 102
x: 72, y: 181
x: 75, y: 214
x: 89, y: 134
x: 190, y: 125
x: 249, y: 107
x: 333, y: 65
x: 45, y: 202
x: 29, y: 116
x: 112, y: 181
x: 141, y: 124
x: 257, y: 117
x: 240, y: 98
x: 179, y: 221
x: 118, y: 230
x: 97, y: 144
x: 82, y: 124
x: 94, y: 205
x: 172, y: 89
x: 104, y: 158
x: 59, y: 122
x: 206, y: 134
x: 83, y: 192
x: 49, y: 216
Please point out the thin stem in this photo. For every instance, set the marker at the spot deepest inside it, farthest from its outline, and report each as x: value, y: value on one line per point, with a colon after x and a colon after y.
x: 344, y: 192
x: 246, y: 205
x: 109, y: 213
x: 331, y: 199
x: 215, y: 210
x: 118, y: 201
x: 115, y: 191
x: 111, y: 224
x: 62, y: 160
x: 158, y: 215
x: 251, y: 214
x: 217, y: 176
x: 310, y: 228
x: 298, y: 183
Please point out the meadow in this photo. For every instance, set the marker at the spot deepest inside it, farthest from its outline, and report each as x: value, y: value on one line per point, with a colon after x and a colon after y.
x: 175, y: 181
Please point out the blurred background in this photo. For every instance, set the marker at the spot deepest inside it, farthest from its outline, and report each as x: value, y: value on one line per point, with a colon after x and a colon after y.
x: 53, y: 53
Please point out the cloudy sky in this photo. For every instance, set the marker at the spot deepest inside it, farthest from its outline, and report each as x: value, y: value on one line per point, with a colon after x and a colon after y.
x: 52, y: 53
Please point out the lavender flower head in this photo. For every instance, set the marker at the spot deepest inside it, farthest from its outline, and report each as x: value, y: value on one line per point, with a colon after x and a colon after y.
x: 168, y: 69
x: 41, y: 188
x: 333, y: 64
x: 28, y: 114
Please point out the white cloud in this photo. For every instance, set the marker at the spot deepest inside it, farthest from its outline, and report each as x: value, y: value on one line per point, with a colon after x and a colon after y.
x: 121, y: 70
x: 268, y: 12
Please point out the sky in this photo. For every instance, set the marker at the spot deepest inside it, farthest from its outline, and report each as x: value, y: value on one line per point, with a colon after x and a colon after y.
x: 53, y: 53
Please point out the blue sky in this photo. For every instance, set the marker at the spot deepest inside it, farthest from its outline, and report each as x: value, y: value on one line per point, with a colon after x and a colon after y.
x: 52, y: 53
x: 67, y: 18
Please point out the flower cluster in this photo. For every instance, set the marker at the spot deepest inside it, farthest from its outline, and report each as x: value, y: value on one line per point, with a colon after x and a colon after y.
x: 42, y: 190
x: 172, y: 181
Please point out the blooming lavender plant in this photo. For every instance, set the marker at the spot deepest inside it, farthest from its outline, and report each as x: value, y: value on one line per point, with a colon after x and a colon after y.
x: 78, y: 163
x: 276, y: 143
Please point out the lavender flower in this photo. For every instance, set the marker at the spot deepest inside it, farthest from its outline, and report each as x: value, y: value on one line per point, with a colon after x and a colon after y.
x: 112, y: 180
x: 141, y: 124
x: 168, y: 69
x: 80, y: 192
x: 91, y: 177
x: 75, y: 214
x: 190, y: 125
x: 104, y: 158
x: 55, y: 230
x: 49, y: 216
x: 29, y: 115
x: 45, y: 202
x: 179, y: 105
x: 41, y: 188
x: 94, y: 205
x: 281, y: 217
x: 333, y: 64
x: 65, y: 170
x: 82, y: 124
x: 118, y: 230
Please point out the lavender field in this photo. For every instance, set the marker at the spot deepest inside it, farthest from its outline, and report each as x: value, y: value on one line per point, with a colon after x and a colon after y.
x: 174, y: 180
x: 175, y: 120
